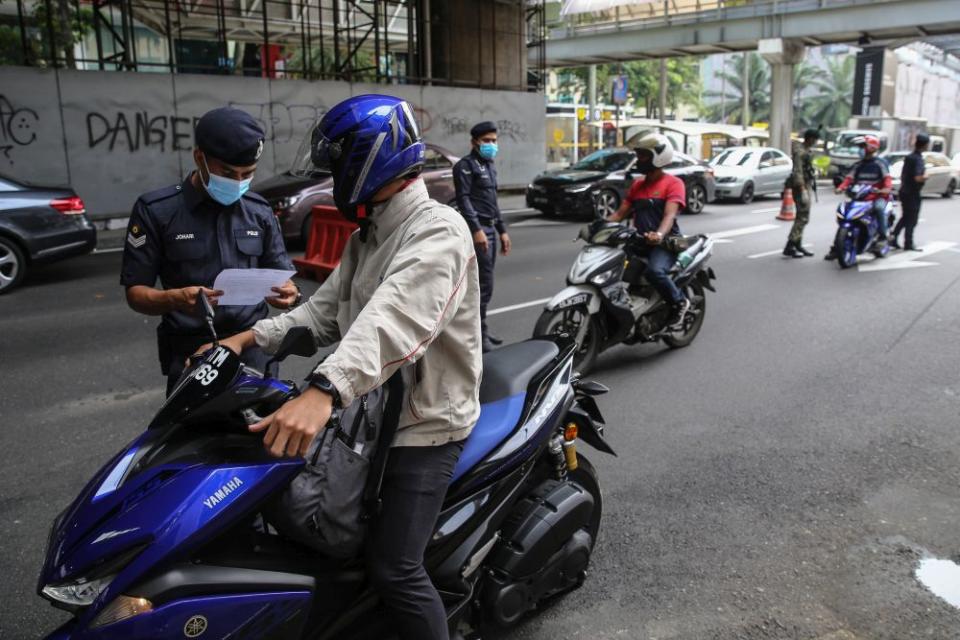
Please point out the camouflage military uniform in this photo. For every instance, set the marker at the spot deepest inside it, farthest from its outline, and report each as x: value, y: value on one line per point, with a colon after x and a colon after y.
x: 802, y: 182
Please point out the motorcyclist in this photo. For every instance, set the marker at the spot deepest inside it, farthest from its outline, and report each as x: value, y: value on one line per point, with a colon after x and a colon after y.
x: 406, y: 291
x: 869, y: 170
x: 654, y: 203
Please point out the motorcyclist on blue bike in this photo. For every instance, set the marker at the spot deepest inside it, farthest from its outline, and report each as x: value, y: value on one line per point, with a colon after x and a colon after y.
x: 654, y: 203
x: 872, y: 170
x: 406, y: 291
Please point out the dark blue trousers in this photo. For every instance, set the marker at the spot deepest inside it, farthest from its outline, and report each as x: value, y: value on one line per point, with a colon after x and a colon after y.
x: 659, y: 262
x: 485, y: 264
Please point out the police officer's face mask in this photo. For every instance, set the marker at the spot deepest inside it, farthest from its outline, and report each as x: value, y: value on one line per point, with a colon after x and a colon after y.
x: 488, y: 150
x: 224, y: 190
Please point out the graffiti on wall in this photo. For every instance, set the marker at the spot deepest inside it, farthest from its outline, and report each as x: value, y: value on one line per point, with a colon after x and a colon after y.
x: 281, y: 122
x: 18, y: 128
x: 136, y: 130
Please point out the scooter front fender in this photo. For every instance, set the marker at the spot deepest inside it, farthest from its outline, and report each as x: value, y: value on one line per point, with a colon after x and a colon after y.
x: 576, y: 295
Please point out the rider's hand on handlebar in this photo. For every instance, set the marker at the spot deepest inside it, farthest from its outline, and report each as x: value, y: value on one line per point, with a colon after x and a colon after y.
x: 653, y: 237
x: 236, y: 343
x: 291, y: 429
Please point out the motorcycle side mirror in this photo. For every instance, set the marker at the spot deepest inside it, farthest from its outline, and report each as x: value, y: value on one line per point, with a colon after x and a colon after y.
x: 205, y: 310
x: 590, y: 388
x: 299, y: 341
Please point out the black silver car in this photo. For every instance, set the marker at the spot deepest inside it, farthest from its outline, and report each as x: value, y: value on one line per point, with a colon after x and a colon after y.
x: 38, y: 225
x: 598, y: 183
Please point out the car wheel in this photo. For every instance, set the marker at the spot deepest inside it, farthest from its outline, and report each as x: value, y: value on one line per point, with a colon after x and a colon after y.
x: 746, y: 196
x: 608, y: 201
x: 950, y: 189
x: 696, y: 198
x: 13, y: 266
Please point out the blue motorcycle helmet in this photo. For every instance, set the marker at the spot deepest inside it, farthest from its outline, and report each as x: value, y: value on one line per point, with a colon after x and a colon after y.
x: 365, y: 142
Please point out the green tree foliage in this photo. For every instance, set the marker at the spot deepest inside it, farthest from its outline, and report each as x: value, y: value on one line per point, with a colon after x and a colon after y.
x: 643, y: 82
x: 730, y: 102
x: 321, y: 63
x: 67, y: 26
x: 832, y: 104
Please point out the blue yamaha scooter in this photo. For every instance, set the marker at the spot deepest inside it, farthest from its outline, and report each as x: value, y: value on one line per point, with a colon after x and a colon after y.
x: 164, y: 542
x: 859, y: 230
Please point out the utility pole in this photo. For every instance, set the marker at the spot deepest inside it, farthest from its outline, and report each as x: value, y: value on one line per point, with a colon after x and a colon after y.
x: 592, y: 102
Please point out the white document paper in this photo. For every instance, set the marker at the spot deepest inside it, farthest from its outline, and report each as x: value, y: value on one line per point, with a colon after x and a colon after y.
x: 249, y: 286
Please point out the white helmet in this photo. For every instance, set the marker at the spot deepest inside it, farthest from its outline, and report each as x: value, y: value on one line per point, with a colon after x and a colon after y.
x: 659, y: 146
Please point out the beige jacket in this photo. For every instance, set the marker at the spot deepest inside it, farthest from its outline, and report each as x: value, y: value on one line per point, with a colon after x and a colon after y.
x: 408, y: 297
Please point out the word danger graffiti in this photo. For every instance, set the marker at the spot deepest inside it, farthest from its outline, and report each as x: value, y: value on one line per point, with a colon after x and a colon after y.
x: 139, y: 130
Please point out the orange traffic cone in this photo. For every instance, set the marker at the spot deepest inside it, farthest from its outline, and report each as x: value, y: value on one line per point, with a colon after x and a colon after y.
x: 788, y: 210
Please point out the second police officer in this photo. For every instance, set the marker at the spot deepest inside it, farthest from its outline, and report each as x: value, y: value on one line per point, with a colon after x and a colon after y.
x: 802, y: 182
x: 475, y: 179
x: 184, y: 235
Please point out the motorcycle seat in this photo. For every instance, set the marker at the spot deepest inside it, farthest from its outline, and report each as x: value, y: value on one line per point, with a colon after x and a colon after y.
x: 507, y: 373
x: 508, y: 370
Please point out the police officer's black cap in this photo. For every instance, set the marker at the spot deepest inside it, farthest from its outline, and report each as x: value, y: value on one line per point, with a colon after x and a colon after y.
x: 811, y: 134
x: 483, y: 127
x: 922, y: 138
x: 230, y: 135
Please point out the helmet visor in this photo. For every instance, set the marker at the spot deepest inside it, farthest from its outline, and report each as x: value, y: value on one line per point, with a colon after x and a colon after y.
x: 324, y: 153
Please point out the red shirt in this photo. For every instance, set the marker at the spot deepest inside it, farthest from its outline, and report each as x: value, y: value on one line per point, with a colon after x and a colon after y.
x: 666, y: 189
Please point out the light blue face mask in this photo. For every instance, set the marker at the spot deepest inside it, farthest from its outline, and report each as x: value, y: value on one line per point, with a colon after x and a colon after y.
x: 224, y: 190
x: 861, y: 152
x: 488, y: 150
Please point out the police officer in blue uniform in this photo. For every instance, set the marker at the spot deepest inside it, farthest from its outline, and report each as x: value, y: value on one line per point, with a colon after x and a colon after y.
x: 186, y: 234
x: 475, y: 179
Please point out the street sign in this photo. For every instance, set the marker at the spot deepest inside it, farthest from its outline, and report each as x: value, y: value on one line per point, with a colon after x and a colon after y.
x: 619, y: 89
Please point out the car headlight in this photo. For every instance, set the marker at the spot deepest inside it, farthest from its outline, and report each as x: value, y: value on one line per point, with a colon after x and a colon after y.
x: 725, y: 179
x: 78, y: 594
x: 578, y: 188
x: 602, y: 278
x: 286, y: 203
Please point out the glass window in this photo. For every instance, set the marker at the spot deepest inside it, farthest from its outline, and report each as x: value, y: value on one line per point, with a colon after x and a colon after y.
x: 733, y: 158
x: 605, y: 160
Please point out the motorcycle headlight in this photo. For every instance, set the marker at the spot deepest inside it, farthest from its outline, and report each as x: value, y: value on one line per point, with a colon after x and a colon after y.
x: 81, y: 593
x: 604, y: 277
x: 578, y: 188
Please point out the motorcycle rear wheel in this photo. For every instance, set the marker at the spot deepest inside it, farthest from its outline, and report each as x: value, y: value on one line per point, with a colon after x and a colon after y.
x: 698, y: 307
x: 568, y: 321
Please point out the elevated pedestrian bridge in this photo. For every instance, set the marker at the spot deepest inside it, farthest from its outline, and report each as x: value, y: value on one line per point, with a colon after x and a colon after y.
x: 693, y: 27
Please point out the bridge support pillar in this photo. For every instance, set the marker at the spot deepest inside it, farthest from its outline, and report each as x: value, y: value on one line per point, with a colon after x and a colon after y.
x: 782, y: 54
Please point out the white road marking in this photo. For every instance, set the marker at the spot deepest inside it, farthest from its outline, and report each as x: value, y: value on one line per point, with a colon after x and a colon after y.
x: 770, y: 210
x: 514, y: 307
x: 113, y: 250
x: 538, y: 223
x: 907, y: 259
x: 733, y: 233
x: 953, y: 250
x: 771, y: 253
x: 523, y: 210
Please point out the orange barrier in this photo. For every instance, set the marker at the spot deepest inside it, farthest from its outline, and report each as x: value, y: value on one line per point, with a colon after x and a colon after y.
x: 788, y: 210
x: 328, y: 238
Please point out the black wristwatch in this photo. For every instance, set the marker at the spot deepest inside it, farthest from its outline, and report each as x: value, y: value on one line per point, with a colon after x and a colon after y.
x: 299, y: 298
x: 320, y: 381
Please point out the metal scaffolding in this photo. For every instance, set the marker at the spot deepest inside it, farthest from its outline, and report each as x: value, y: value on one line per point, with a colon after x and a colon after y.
x: 382, y: 41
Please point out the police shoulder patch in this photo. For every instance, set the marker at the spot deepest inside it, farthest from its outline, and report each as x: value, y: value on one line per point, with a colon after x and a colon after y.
x: 134, y: 240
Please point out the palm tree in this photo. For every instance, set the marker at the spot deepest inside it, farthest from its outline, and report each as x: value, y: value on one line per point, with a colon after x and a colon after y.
x: 831, y: 107
x: 731, y: 101
x: 804, y: 75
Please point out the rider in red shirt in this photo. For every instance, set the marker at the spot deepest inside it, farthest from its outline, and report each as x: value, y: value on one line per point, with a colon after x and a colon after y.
x: 655, y: 202
x: 874, y: 171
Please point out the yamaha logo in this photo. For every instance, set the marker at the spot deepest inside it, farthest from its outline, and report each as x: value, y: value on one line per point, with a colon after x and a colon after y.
x: 195, y: 626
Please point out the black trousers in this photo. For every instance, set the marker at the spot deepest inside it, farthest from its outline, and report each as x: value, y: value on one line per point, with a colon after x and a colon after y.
x: 414, y: 485
x: 910, y: 206
x: 485, y: 265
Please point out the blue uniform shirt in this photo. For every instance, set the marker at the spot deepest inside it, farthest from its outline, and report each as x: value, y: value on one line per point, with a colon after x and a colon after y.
x: 182, y: 237
x: 475, y: 180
